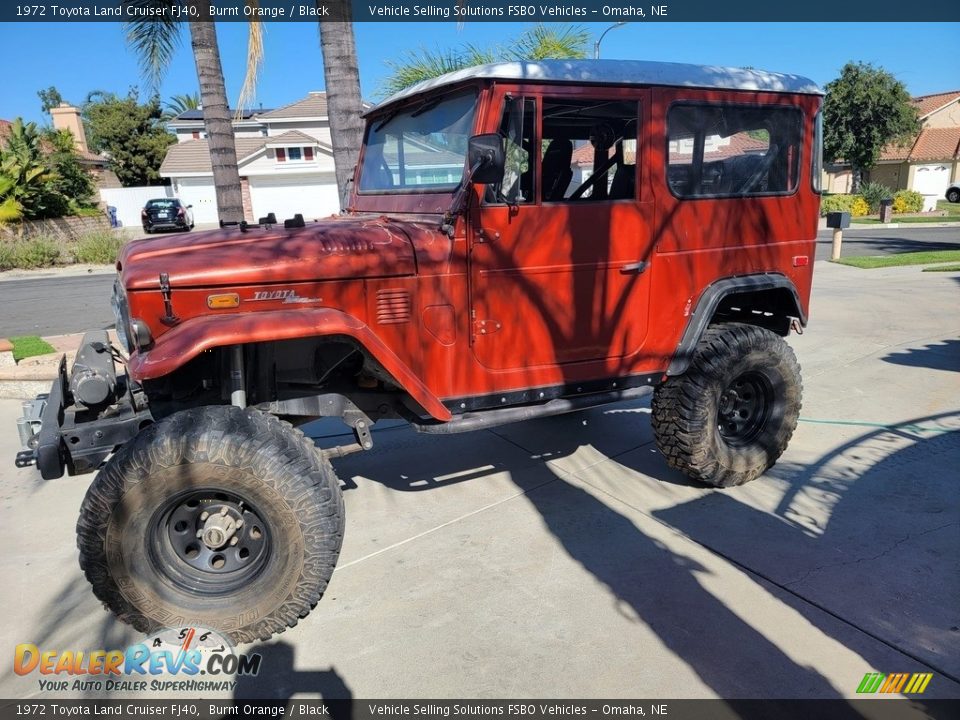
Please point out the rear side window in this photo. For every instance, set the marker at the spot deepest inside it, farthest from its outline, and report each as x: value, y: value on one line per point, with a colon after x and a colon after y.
x: 733, y: 151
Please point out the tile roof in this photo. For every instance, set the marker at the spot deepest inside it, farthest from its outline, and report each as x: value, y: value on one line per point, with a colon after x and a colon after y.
x: 931, y: 144
x: 926, y: 104
x: 193, y: 156
x: 313, y: 105
x: 937, y: 144
x: 5, y: 126
x: 198, y: 114
x: 291, y: 136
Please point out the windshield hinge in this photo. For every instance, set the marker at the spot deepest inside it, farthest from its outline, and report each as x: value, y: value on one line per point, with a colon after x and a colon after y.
x: 168, y: 317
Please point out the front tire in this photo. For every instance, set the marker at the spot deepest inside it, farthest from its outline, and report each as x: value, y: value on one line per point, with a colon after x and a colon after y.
x: 216, y: 516
x: 953, y: 195
x: 731, y: 415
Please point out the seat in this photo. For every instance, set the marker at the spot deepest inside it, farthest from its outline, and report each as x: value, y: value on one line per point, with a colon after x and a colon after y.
x: 624, y: 183
x: 556, y: 170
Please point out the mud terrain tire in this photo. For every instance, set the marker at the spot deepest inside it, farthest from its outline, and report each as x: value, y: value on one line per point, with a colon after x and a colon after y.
x: 731, y: 415
x: 145, y: 531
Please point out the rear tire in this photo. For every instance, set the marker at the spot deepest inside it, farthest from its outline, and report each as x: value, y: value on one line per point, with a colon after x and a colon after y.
x: 731, y: 415
x: 953, y: 196
x: 149, y: 550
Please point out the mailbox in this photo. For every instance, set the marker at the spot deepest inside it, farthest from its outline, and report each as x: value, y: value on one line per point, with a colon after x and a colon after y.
x: 838, y: 220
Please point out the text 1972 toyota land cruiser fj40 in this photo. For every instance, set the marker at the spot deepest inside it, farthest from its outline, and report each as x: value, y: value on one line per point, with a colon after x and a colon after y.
x: 522, y: 239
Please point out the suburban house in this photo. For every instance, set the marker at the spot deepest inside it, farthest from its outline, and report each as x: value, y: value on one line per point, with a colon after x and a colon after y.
x: 926, y: 164
x: 284, y: 156
x: 932, y: 160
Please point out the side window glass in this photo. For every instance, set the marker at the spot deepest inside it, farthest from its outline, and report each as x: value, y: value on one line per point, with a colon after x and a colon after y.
x: 516, y: 128
x: 589, y: 150
x: 732, y: 151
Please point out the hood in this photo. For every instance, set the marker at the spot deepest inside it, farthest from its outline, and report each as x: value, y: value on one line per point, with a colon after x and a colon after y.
x: 335, y: 248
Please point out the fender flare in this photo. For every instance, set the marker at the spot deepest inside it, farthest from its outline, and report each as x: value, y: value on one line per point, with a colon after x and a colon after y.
x: 709, y: 301
x: 187, y: 340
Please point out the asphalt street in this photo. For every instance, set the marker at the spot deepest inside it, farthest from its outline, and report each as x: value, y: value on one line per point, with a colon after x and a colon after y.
x: 63, y: 304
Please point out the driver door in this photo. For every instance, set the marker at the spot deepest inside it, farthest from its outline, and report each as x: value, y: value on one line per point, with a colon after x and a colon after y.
x: 559, y: 252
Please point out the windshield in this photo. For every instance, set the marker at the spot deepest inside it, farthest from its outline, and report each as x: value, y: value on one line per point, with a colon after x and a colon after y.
x: 421, y: 149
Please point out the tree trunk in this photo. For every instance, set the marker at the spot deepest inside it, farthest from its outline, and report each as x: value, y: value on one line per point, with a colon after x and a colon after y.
x: 216, y: 118
x: 342, y: 80
x: 856, y: 177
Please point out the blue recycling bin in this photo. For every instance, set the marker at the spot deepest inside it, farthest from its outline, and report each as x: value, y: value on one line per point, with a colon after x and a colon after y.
x: 112, y: 214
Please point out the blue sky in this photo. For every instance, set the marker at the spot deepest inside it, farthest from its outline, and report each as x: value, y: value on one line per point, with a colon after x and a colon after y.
x: 80, y: 57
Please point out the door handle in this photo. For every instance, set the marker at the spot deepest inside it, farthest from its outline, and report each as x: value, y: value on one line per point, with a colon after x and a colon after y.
x: 637, y: 267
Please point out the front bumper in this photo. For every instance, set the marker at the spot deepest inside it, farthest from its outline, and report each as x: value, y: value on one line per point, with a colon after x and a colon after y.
x: 60, y: 432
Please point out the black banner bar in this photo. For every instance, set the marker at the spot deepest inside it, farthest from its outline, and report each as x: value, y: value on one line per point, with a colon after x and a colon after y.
x: 208, y: 709
x: 576, y: 11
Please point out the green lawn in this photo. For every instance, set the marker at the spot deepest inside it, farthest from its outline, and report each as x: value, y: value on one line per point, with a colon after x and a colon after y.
x: 28, y: 346
x: 952, y: 211
x: 926, y: 257
x: 949, y: 267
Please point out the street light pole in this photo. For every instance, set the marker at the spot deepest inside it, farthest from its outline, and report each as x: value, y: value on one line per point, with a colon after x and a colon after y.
x: 596, y: 45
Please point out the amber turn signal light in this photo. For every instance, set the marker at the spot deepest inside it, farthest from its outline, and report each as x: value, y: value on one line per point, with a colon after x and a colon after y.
x: 219, y: 302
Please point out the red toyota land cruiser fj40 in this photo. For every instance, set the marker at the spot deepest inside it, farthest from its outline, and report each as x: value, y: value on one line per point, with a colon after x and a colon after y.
x: 522, y: 239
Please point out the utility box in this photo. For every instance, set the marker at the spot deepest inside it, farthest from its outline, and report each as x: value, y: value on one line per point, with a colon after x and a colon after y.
x: 838, y: 220
x: 886, y: 210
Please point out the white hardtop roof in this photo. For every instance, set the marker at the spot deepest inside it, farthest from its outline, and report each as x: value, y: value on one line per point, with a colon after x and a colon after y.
x: 621, y: 72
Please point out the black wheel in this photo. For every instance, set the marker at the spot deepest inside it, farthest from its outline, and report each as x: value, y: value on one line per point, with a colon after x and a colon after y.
x: 147, y: 230
x: 731, y: 415
x: 953, y: 195
x: 221, y: 517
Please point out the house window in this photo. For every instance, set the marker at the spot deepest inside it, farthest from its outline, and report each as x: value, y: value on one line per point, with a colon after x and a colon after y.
x: 295, y: 154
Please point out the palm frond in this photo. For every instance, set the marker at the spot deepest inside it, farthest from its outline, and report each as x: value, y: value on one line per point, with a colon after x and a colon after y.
x: 254, y: 60
x: 155, y: 41
x: 546, y: 42
x: 418, y: 65
x: 181, y: 103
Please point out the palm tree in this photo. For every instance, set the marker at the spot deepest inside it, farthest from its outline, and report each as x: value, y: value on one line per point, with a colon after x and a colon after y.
x: 155, y: 41
x: 344, y: 104
x: 540, y: 42
x: 181, y: 103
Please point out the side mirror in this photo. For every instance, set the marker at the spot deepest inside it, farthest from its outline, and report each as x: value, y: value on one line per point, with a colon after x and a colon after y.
x: 189, y: 206
x: 485, y: 157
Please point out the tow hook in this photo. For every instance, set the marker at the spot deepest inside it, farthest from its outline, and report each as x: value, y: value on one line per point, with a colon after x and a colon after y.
x: 796, y: 326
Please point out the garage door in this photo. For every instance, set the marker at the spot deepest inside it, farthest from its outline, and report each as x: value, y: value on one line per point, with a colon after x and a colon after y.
x: 198, y: 192
x: 931, y: 179
x: 312, y: 196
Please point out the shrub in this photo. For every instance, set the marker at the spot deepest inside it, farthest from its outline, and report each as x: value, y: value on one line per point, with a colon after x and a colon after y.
x: 907, y: 201
x: 99, y: 248
x: 37, y: 252
x: 859, y: 207
x: 873, y: 193
x: 836, y: 203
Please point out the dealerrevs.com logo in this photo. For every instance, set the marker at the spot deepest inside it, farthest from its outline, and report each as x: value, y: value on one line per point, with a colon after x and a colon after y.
x: 171, y: 660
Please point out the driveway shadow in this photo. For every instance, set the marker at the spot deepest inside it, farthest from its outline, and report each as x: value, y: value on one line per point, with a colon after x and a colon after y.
x: 944, y: 355
x: 278, y: 681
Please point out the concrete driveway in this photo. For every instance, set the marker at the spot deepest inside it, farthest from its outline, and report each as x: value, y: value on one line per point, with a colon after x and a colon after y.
x: 562, y: 558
